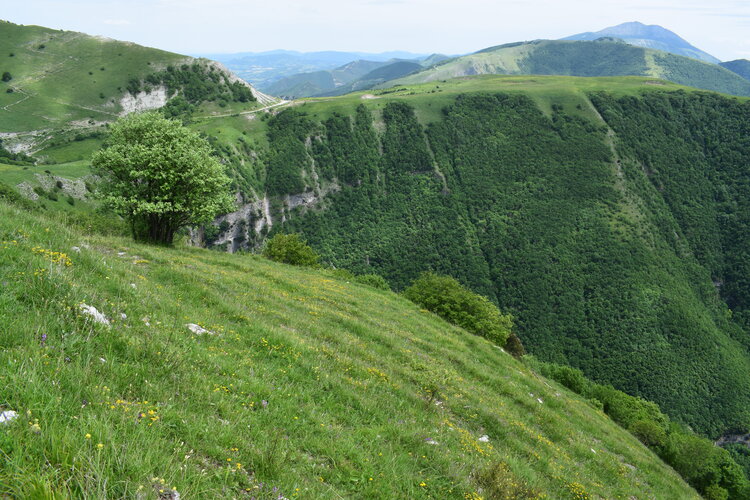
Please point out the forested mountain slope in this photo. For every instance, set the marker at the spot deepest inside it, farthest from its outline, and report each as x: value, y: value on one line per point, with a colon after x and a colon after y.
x: 618, y: 257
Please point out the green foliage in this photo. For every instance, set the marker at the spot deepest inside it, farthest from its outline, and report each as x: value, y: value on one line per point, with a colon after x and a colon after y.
x: 288, y: 157
x: 10, y: 195
x: 160, y: 177
x: 290, y: 249
x: 453, y: 302
x: 196, y: 83
x: 7, y: 76
x: 514, y: 346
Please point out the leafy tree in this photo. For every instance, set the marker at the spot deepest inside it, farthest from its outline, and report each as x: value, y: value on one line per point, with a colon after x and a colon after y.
x: 290, y: 249
x: 160, y: 177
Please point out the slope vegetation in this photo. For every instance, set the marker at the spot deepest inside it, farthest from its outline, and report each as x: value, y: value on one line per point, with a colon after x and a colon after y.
x: 605, y: 57
x: 62, y: 86
x: 231, y: 376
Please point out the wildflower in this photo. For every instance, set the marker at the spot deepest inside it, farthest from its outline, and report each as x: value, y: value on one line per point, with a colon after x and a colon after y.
x: 422, y: 484
x: 88, y: 436
x: 100, y: 446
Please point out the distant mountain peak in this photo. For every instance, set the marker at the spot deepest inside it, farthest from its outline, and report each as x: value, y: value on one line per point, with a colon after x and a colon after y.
x: 651, y: 36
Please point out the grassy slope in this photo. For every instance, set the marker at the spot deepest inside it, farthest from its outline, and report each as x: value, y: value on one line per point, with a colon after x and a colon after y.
x: 347, y: 371
x: 548, y: 57
x: 56, y: 78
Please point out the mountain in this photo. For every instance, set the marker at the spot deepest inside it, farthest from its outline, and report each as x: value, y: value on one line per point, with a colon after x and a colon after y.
x: 301, y: 383
x: 263, y: 69
x: 605, y: 57
x: 650, y: 37
x: 356, y: 75
x: 319, y: 82
x: 376, y: 77
x: 65, y: 86
x: 740, y: 66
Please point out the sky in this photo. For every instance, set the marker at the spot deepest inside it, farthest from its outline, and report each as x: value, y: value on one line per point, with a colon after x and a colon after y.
x: 719, y: 27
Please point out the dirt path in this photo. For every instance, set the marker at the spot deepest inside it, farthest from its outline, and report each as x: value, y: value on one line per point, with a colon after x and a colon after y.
x: 251, y: 112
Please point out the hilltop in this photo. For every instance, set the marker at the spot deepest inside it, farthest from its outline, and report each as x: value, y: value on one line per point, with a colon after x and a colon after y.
x: 650, y: 37
x: 603, y: 57
x: 232, y: 376
x: 65, y: 85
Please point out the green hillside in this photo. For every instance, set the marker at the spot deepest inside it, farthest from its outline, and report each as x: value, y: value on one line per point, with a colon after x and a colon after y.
x: 305, y: 386
x: 740, y: 66
x: 606, y: 57
x: 63, y: 86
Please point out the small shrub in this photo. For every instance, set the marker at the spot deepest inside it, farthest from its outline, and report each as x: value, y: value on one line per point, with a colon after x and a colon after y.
x: 9, y: 90
x: 59, y: 184
x: 7, y: 76
x: 52, y: 196
x: 373, y: 280
x: 290, y: 249
x: 70, y: 201
x: 458, y: 305
x: 42, y: 47
x: 514, y: 346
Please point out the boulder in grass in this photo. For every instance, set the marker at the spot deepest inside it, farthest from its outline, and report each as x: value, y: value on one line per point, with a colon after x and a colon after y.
x: 94, y: 314
x: 7, y: 416
x: 197, y: 329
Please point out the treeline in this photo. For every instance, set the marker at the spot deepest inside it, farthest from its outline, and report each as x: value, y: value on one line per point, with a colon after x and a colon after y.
x: 195, y: 83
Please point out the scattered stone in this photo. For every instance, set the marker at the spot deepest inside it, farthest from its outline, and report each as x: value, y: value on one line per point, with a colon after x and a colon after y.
x: 431, y: 441
x: 484, y: 439
x: 96, y: 315
x: 102, y: 360
x: 123, y: 316
x: 593, y: 451
x: 8, y: 416
x: 120, y: 254
x: 631, y: 467
x: 76, y: 249
x: 197, y: 329
x: 541, y: 401
x: 264, y: 403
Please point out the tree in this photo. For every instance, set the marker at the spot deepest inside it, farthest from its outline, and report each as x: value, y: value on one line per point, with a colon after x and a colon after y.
x: 290, y: 249
x: 7, y: 76
x: 160, y: 177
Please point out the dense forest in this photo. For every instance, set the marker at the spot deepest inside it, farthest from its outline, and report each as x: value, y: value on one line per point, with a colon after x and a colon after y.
x: 606, y: 240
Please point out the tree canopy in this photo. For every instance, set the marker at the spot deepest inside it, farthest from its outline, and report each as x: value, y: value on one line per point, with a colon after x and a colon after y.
x: 160, y: 177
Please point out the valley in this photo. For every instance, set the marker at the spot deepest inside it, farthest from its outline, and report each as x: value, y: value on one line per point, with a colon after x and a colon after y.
x: 594, y: 190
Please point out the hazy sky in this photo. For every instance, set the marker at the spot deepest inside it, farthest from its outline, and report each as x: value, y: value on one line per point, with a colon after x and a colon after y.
x: 720, y: 27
